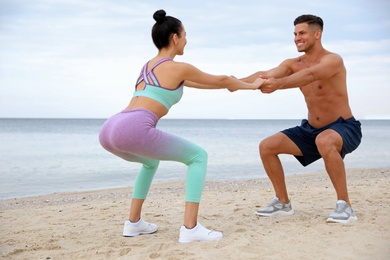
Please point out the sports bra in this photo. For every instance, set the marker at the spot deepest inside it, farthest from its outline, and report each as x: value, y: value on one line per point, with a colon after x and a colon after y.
x: 167, y: 97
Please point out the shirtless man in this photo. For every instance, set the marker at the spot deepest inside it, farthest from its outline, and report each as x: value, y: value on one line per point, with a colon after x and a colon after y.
x: 330, y: 131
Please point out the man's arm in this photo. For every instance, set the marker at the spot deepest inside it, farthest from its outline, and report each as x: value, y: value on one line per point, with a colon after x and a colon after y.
x: 283, y: 70
x: 326, y: 68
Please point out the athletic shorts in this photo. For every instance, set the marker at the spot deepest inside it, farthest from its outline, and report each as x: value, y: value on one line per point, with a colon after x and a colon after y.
x: 304, y: 137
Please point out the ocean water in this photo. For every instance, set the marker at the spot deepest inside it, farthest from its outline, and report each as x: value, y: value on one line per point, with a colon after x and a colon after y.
x: 45, y: 156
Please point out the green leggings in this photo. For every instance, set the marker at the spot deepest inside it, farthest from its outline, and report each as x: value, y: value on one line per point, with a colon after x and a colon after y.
x: 133, y: 136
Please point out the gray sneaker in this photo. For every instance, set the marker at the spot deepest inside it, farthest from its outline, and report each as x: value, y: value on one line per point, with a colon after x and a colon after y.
x: 276, y: 208
x: 342, y: 214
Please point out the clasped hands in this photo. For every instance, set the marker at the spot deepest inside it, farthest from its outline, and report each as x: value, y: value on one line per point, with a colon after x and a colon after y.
x: 269, y: 84
x: 266, y: 84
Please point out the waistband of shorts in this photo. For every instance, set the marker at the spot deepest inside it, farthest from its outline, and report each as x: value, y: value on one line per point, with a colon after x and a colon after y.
x: 141, y: 110
x: 339, y: 120
x: 351, y: 119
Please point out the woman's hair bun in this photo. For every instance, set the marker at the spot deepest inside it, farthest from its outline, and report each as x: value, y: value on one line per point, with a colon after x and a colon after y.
x: 159, y: 16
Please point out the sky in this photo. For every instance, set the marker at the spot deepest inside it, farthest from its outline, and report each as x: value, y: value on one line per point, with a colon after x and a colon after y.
x: 81, y: 58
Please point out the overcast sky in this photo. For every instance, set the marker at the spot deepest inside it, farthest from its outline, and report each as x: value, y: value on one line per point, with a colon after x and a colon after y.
x: 81, y: 58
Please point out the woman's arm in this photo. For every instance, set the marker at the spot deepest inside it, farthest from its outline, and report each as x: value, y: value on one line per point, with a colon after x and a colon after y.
x: 196, y: 78
x: 192, y: 84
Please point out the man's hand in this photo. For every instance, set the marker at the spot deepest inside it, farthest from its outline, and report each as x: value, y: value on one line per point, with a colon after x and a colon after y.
x: 269, y: 86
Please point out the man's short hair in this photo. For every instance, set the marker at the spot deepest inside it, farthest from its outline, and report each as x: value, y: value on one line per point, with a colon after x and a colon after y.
x: 310, y: 20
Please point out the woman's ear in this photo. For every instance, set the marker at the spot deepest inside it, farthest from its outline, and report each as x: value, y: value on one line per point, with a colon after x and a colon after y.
x: 175, y: 38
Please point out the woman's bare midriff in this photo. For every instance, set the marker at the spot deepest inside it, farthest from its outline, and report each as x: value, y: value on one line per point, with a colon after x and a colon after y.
x: 148, y: 104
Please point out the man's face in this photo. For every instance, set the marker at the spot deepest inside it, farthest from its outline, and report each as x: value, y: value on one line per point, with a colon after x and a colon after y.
x: 305, y: 37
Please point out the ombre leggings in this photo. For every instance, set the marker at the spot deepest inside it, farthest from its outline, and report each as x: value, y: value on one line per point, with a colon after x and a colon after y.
x: 132, y: 135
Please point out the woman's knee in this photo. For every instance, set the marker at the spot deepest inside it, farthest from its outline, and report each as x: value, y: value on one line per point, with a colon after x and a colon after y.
x: 151, y: 164
x: 201, y: 155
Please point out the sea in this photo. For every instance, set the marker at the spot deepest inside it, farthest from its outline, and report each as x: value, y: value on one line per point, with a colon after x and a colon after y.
x: 46, y: 156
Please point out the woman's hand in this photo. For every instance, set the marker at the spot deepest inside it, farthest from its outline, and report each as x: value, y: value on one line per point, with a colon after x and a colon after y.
x: 258, y: 82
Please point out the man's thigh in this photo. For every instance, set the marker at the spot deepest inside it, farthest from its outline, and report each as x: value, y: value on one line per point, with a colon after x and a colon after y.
x: 280, y: 143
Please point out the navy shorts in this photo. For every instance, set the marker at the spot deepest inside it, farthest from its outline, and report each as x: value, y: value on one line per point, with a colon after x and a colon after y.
x: 304, y: 137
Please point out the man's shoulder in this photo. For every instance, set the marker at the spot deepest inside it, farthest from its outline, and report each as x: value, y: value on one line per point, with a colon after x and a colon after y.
x: 325, y: 53
x: 332, y: 58
x: 291, y: 61
x: 329, y: 54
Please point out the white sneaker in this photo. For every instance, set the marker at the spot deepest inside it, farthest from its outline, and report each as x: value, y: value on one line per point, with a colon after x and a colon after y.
x: 139, y: 228
x: 198, y: 233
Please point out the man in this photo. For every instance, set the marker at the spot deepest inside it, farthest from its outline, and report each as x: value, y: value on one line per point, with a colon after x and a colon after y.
x: 330, y: 131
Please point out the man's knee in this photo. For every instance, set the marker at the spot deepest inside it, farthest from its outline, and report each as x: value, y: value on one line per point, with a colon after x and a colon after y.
x: 266, y: 146
x: 328, y: 141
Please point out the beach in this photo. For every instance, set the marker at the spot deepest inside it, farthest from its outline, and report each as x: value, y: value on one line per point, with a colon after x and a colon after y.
x: 88, y: 225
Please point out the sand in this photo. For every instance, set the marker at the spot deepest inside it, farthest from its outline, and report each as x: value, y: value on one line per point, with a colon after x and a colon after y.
x: 88, y: 225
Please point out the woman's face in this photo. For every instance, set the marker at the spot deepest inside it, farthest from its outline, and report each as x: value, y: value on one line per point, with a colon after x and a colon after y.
x: 182, y: 41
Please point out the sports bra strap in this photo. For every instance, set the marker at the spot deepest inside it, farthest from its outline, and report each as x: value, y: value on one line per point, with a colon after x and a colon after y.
x: 150, y: 72
x: 143, y: 76
x: 158, y: 63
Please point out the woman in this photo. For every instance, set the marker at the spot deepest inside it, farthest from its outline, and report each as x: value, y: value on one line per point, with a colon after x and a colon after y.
x: 132, y: 134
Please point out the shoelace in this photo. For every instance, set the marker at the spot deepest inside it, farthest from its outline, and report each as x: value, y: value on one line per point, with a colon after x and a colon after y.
x: 340, y: 208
